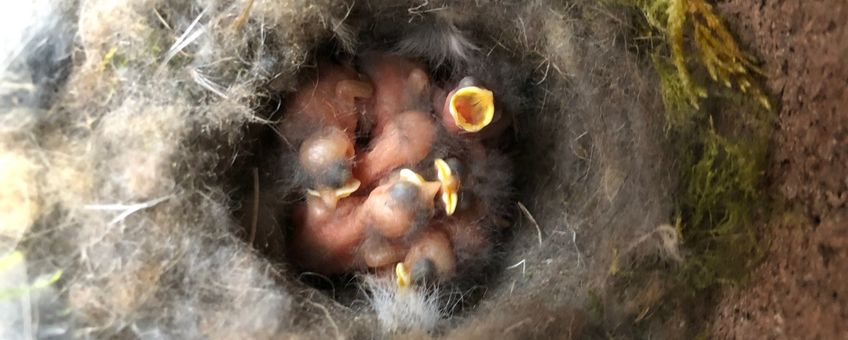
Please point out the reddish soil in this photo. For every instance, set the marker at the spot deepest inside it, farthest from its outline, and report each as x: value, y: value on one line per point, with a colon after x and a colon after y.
x: 801, y: 289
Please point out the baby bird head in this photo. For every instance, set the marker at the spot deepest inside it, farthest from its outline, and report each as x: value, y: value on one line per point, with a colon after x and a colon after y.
x: 327, y: 157
x: 402, y: 205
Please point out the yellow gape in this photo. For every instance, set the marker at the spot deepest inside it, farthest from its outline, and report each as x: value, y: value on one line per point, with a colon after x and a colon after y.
x: 411, y: 177
x: 331, y: 196
x: 472, y: 108
x: 403, y: 277
x: 450, y: 186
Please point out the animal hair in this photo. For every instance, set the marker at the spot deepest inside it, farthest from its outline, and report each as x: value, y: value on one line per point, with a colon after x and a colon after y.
x: 144, y: 193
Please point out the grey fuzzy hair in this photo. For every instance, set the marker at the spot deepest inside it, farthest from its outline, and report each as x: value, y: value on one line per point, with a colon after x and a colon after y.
x: 440, y: 42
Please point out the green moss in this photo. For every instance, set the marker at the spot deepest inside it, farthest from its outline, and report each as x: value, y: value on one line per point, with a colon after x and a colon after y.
x: 679, y: 114
x: 694, y: 34
x: 721, y: 169
x: 721, y: 185
x: 718, y: 123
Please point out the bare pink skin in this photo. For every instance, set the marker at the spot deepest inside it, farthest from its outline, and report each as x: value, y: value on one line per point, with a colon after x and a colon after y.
x: 328, y: 240
x: 464, y: 239
x: 380, y: 252
x: 393, y: 220
x: 400, y: 84
x: 321, y: 120
x: 405, y: 140
x: 435, y: 245
x: 441, y: 104
x: 323, y: 147
x: 402, y: 132
x: 336, y: 241
x: 328, y: 100
x: 373, y: 229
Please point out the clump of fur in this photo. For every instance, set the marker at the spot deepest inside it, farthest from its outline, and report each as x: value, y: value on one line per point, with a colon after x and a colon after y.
x: 403, y: 310
x: 438, y: 41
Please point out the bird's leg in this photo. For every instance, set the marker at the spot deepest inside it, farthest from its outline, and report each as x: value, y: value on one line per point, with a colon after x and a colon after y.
x: 349, y: 90
x: 347, y: 109
x: 417, y: 87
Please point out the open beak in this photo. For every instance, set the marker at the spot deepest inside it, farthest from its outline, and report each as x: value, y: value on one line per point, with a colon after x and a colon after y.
x: 331, y: 196
x: 428, y: 189
x: 449, y: 186
x: 403, y: 276
x: 472, y: 108
x: 412, y: 177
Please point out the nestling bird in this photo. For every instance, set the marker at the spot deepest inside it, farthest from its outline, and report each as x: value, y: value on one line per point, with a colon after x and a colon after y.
x: 398, y: 116
x: 326, y: 239
x: 321, y: 121
x: 400, y: 85
x: 359, y: 232
x: 405, y: 140
x: 368, y: 209
x: 457, y: 240
x: 430, y: 259
x: 399, y: 212
x: 402, y: 205
x: 475, y: 192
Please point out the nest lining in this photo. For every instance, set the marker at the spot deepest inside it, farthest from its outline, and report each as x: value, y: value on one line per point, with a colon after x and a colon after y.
x: 143, y: 155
